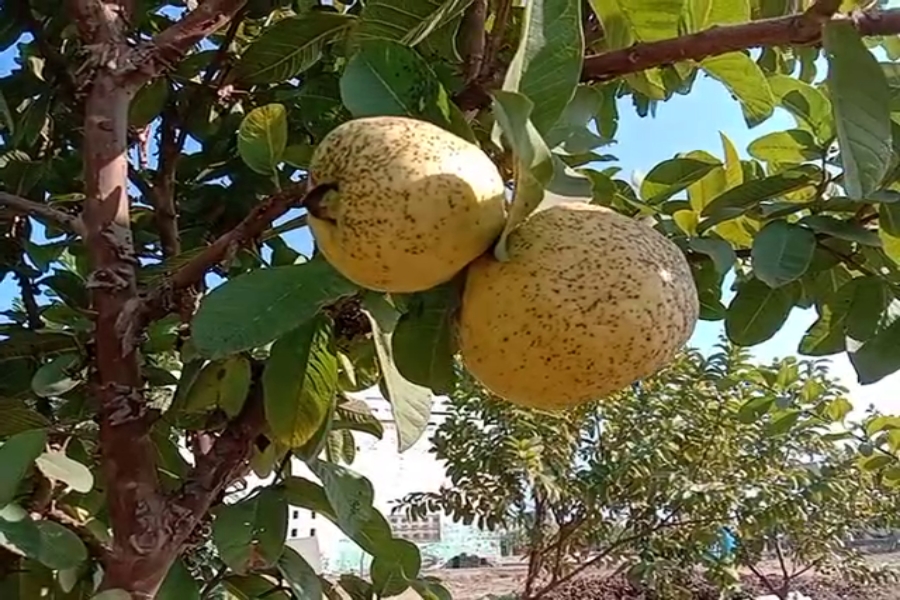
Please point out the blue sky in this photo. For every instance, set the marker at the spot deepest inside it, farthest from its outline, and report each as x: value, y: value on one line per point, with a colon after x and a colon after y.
x: 682, y: 124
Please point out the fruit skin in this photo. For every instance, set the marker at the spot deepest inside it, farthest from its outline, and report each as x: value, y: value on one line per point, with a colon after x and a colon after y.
x: 414, y: 203
x: 589, y: 302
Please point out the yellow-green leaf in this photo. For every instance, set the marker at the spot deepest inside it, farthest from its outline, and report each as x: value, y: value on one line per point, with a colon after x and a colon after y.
x: 262, y: 138
x: 810, y: 107
x: 743, y: 78
x: 222, y: 384
x: 300, y: 382
x: 791, y: 146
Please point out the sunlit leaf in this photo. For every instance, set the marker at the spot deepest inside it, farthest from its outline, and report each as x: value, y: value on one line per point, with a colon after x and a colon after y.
x: 262, y: 138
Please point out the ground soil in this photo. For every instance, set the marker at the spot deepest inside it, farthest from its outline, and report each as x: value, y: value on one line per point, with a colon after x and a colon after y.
x: 480, y: 583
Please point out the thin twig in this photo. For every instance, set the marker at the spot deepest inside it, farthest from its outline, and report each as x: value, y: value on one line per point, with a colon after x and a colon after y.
x: 761, y: 576
x: 159, y: 302
x: 163, y: 190
x: 473, y: 26
x: 495, y: 39
x: 167, y: 48
x: 213, y: 583
x: 28, y: 207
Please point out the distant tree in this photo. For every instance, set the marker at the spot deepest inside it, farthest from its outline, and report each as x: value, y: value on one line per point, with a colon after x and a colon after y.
x: 647, y: 480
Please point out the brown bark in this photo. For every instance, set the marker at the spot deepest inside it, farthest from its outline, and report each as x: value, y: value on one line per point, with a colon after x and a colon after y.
x: 800, y: 30
x: 57, y: 217
x: 127, y: 453
x: 148, y: 528
x: 160, y: 301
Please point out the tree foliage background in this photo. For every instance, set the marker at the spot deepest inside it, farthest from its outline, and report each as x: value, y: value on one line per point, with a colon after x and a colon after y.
x: 765, y: 451
x: 148, y: 147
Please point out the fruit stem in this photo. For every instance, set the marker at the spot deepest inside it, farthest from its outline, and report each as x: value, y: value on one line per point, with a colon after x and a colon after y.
x: 312, y: 201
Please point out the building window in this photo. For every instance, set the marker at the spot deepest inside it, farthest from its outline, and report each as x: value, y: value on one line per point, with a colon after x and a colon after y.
x: 296, y: 514
x: 313, y: 516
x: 312, y: 532
x: 293, y: 533
x: 427, y: 530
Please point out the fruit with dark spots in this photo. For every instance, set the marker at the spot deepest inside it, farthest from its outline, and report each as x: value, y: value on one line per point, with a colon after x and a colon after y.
x: 414, y: 204
x: 589, y: 302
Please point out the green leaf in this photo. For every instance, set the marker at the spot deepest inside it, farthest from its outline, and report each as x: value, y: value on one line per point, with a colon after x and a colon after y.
x: 841, y: 229
x: 810, y: 107
x: 358, y: 416
x: 356, y: 587
x: 17, y: 417
x: 250, y: 534
x: 6, y: 118
x: 256, y: 308
x: 720, y: 251
x: 870, y: 298
x: 757, y: 312
x: 16, y: 456
x: 782, y: 252
x: 546, y: 67
x: 791, y: 146
x: 743, y: 78
x: 53, y: 545
x: 262, y: 138
x: 430, y: 588
x: 300, y: 382
x: 410, y: 403
x: 889, y: 229
x: 827, y: 335
x: 423, y: 343
x: 373, y: 535
x: 533, y: 162
x: 745, y: 196
x: 58, y: 376
x: 253, y: 587
x: 56, y: 466
x: 409, y: 21
x: 148, y: 103
x: 723, y: 12
x: 222, y: 384
x: 874, y: 463
x: 392, y: 572
x: 784, y: 423
x: 645, y: 20
x: 878, y: 356
x: 389, y: 78
x: 861, y: 100
x: 178, y: 584
x: 349, y: 493
x: 290, y: 47
x: 304, y: 582
x: 674, y: 175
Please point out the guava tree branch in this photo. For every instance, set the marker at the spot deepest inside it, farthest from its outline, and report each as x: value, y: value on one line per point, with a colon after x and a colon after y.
x: 226, y: 461
x: 29, y: 207
x: 800, y: 29
x: 171, y: 45
x: 159, y: 302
